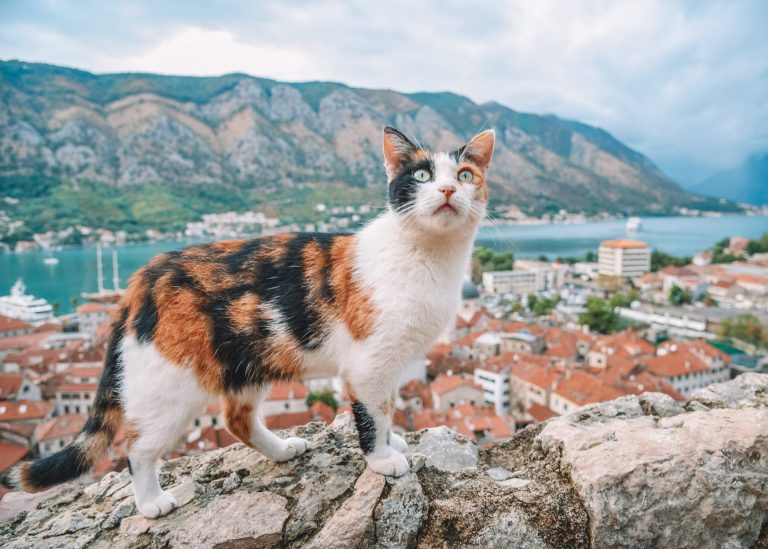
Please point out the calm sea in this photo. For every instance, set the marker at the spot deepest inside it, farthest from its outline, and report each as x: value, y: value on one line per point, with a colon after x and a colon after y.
x: 76, y: 272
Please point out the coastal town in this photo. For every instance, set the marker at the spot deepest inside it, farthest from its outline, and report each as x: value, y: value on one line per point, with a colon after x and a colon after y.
x: 532, y: 339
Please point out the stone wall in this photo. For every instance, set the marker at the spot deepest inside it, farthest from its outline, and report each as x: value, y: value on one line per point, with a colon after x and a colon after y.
x: 635, y: 472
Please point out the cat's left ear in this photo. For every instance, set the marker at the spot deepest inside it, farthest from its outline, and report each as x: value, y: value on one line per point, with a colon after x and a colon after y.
x: 479, y: 150
x: 397, y: 149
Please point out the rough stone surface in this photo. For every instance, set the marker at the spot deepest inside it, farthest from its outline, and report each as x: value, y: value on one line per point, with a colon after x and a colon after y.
x: 445, y: 450
x: 354, y: 519
x: 640, y: 471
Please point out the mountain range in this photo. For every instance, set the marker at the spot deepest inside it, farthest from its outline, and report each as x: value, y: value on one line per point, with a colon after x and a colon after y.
x: 197, y: 143
x: 745, y: 183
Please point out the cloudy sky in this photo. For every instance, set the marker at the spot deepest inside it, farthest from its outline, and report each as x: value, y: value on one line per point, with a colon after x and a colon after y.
x: 685, y: 83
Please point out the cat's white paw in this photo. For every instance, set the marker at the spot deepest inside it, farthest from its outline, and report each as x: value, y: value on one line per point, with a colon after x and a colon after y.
x: 293, y: 447
x: 398, y: 443
x: 388, y: 462
x: 158, y: 506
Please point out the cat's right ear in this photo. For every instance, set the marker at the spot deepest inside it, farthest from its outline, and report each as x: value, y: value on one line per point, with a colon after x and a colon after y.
x: 397, y: 149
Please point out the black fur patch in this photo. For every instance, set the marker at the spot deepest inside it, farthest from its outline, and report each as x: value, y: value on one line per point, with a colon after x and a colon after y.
x: 366, y: 427
x: 403, y: 188
x: 280, y: 283
x: 107, y: 396
x: 146, y: 319
x: 67, y: 464
x: 456, y: 155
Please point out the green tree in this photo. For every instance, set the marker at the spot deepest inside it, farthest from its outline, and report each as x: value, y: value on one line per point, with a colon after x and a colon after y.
x: 545, y: 305
x: 531, y: 301
x: 758, y: 245
x: 679, y: 296
x: 660, y: 260
x: 484, y: 259
x: 746, y: 328
x: 323, y: 396
x: 600, y: 316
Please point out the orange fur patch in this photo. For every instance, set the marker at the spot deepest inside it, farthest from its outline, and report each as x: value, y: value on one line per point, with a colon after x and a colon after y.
x: 238, y: 417
x: 211, y: 277
x: 133, y: 298
x: 274, y: 247
x: 281, y: 358
x: 478, y: 177
x: 183, y: 333
x: 227, y: 246
x: 354, y: 303
x: 243, y: 311
x: 132, y: 433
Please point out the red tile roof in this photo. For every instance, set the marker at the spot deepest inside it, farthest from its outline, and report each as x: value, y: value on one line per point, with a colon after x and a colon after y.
x: 288, y: 390
x: 444, y: 384
x: 84, y: 371
x: 76, y: 387
x: 24, y: 410
x: 540, y: 413
x: 92, y: 307
x: 10, y: 385
x: 675, y: 364
x: 582, y: 388
x: 10, y: 455
x: 61, y: 426
x: 7, y: 324
x: 623, y: 243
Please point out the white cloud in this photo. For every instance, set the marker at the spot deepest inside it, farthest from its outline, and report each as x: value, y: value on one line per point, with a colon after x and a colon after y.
x: 684, y: 82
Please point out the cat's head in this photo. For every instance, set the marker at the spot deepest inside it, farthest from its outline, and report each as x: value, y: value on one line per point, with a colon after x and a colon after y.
x: 438, y: 190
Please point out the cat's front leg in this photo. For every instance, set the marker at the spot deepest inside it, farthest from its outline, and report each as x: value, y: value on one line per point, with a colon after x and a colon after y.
x: 396, y: 441
x: 373, y: 416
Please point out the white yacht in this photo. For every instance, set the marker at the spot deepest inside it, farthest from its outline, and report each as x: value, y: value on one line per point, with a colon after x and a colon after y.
x: 28, y: 308
x: 634, y: 224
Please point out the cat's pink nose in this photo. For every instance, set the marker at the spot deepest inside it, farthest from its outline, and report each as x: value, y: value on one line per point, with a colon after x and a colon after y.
x: 447, y: 190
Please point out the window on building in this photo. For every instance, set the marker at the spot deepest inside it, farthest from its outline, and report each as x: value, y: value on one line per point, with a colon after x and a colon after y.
x: 197, y: 423
x: 214, y: 421
x: 287, y: 405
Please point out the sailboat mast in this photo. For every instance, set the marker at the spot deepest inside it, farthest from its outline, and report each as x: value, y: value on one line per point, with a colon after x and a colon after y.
x: 99, y: 268
x: 115, y: 277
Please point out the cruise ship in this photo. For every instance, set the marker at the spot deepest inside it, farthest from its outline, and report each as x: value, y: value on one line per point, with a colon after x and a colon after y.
x: 634, y: 224
x: 25, y: 307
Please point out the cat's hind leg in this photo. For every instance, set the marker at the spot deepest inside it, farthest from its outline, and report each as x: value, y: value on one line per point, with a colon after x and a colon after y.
x: 160, y: 400
x: 243, y: 421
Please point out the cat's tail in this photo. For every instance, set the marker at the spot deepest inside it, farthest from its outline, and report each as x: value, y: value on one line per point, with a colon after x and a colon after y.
x: 103, y: 422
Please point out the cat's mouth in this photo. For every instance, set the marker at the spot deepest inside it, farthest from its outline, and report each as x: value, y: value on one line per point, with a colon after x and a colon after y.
x: 446, y: 207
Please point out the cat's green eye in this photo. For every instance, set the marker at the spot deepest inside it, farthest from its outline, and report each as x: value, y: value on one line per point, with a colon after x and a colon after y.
x: 422, y: 176
x: 466, y: 176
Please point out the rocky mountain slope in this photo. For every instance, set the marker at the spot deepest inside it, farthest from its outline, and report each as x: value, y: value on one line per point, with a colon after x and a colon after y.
x: 636, y: 472
x: 746, y: 183
x: 259, y: 136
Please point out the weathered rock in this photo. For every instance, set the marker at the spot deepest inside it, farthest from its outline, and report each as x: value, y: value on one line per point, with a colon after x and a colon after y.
x: 639, y: 471
x: 696, y: 479
x: 255, y: 519
x: 445, y: 450
x: 353, y: 521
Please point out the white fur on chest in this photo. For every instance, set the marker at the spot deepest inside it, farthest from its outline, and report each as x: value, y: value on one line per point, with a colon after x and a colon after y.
x: 415, y: 284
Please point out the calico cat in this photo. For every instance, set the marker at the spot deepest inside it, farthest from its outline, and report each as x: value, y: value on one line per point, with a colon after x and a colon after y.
x: 223, y: 320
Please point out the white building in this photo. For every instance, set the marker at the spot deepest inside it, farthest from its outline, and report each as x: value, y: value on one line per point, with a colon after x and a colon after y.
x: 449, y: 391
x: 627, y: 258
x: 77, y: 393
x: 509, y: 282
x: 286, y: 397
x: 55, y: 434
x: 689, y: 366
x: 92, y: 315
x: 493, y: 377
x: 549, y: 276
